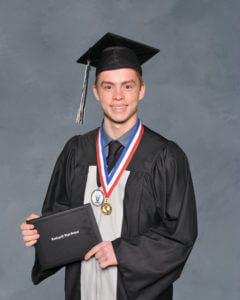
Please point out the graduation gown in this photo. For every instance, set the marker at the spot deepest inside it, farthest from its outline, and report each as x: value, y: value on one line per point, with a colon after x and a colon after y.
x: 159, y: 224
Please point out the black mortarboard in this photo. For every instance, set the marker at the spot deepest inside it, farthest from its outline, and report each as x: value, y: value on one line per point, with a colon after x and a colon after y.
x: 112, y: 52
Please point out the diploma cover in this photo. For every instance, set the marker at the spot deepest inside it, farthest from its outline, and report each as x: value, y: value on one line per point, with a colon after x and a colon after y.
x: 65, y: 236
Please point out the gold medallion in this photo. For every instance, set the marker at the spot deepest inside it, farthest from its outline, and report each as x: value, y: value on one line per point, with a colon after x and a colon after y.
x: 106, y: 208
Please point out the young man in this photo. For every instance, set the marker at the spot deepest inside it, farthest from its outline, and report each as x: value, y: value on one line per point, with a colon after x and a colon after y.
x: 138, y: 183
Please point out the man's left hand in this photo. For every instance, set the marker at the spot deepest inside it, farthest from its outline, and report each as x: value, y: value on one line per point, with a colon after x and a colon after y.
x: 104, y: 253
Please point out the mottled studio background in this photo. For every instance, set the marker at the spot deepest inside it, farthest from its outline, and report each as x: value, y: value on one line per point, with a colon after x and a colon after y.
x: 192, y: 97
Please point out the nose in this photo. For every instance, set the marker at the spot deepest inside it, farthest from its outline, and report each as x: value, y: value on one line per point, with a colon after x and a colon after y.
x: 118, y: 94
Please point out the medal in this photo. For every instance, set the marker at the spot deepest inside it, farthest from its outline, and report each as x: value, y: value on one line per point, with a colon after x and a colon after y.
x: 106, y: 208
x: 97, y: 197
x: 109, y: 181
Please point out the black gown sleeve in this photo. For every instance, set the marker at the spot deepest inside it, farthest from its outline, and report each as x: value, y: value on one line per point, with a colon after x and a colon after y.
x: 58, y: 197
x: 152, y: 261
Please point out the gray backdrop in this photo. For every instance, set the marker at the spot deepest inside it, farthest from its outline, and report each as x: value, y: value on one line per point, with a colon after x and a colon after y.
x: 192, y: 98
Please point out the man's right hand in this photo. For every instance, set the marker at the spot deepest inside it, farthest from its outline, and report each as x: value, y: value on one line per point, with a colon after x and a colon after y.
x: 30, y: 235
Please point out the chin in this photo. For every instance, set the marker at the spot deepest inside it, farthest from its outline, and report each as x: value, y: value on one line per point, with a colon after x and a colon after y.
x: 118, y: 119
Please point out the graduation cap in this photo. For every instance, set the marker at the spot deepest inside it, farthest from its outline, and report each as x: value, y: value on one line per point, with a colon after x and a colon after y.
x: 112, y: 52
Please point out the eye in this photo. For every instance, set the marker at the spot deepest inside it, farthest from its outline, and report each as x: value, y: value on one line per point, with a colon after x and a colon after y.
x: 128, y: 86
x: 107, y: 87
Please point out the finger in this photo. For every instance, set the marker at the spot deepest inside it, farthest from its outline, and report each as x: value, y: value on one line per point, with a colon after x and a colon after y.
x: 28, y: 238
x: 99, y: 254
x: 103, y: 259
x: 24, y: 226
x: 31, y: 243
x: 92, y: 251
x: 31, y: 217
x: 104, y: 264
x: 29, y: 232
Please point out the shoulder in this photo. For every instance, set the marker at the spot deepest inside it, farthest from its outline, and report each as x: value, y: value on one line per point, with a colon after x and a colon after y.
x: 154, y: 149
x: 86, y: 139
x: 166, y: 155
x: 81, y: 146
x: 160, y: 145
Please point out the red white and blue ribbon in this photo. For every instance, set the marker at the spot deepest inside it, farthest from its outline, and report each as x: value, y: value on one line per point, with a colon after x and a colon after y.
x: 109, y: 181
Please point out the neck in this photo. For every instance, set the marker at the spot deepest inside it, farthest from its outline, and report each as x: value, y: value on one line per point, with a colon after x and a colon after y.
x: 115, y: 130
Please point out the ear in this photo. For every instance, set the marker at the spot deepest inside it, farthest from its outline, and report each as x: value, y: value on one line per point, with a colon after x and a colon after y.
x: 95, y: 92
x: 142, y: 91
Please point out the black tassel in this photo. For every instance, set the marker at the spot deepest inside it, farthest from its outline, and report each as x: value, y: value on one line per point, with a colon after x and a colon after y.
x: 81, y: 110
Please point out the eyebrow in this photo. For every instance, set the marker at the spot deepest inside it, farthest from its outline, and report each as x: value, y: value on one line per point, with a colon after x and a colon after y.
x: 124, y: 82
x: 129, y: 81
x: 106, y: 82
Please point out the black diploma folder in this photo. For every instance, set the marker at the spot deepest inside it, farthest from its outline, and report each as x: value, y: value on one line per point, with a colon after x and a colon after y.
x: 66, y: 236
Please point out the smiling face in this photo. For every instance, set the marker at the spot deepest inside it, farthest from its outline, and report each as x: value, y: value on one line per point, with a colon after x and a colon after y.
x: 119, y: 92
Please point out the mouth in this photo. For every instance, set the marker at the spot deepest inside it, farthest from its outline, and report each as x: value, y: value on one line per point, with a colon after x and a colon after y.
x: 118, y: 108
